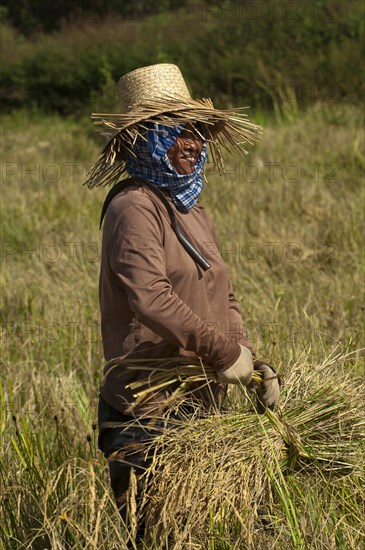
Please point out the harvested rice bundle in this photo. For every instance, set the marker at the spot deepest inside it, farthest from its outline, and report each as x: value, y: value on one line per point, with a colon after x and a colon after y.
x: 241, y: 465
x: 169, y: 374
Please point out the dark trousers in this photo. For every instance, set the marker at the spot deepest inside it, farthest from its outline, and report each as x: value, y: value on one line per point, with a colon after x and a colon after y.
x: 120, y: 439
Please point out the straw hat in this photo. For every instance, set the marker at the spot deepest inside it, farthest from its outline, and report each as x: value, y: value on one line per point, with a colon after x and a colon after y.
x: 158, y: 94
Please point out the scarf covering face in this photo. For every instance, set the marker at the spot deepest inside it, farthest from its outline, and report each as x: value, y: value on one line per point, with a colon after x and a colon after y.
x: 151, y: 163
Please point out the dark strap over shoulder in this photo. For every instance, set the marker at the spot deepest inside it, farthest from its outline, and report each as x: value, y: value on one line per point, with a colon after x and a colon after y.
x: 190, y: 249
x: 114, y: 191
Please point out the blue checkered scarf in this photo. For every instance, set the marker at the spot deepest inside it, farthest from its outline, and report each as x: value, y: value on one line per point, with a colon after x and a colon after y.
x: 151, y: 163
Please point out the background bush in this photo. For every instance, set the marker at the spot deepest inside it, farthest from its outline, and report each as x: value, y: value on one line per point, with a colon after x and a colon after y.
x: 237, y: 52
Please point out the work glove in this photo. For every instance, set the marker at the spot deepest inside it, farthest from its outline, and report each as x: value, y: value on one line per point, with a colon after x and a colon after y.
x: 268, y: 391
x: 240, y: 372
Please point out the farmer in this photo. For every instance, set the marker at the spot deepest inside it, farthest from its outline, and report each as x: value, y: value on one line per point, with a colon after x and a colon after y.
x: 164, y: 290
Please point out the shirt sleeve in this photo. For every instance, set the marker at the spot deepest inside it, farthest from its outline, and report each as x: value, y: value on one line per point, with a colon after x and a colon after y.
x: 137, y: 257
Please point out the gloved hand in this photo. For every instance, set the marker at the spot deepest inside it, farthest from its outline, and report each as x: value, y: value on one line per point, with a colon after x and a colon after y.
x: 240, y: 372
x: 268, y: 391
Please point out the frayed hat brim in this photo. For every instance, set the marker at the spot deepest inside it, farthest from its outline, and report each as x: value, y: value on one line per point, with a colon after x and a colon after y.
x: 228, y: 130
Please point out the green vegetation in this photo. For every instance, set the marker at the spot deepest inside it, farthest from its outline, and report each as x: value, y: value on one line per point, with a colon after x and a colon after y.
x: 32, y: 16
x: 290, y: 219
x: 242, y: 52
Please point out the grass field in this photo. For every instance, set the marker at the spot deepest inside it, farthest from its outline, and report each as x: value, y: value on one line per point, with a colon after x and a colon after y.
x: 291, y: 221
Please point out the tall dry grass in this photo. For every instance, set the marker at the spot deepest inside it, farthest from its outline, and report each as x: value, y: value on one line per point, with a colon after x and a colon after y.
x: 290, y: 219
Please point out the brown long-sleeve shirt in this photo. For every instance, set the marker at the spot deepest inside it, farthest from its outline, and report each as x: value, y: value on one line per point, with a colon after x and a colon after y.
x: 155, y: 301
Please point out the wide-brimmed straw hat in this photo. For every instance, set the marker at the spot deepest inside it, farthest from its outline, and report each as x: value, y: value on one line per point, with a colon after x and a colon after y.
x: 158, y: 94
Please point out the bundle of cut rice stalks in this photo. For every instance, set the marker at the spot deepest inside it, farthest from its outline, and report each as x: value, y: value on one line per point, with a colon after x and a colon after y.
x: 163, y: 375
x: 289, y: 479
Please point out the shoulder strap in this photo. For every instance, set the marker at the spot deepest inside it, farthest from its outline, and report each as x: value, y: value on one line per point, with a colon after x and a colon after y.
x: 114, y: 191
x: 190, y: 249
